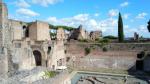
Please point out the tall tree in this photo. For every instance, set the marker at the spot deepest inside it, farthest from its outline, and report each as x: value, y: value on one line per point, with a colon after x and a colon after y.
x: 148, y: 26
x: 120, y: 29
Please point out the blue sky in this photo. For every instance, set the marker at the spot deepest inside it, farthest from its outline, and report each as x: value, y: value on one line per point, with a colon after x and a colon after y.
x: 92, y: 14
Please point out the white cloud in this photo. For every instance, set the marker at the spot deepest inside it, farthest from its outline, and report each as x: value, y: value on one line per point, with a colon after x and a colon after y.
x: 81, y: 17
x: 126, y: 26
x: 125, y: 16
x: 141, y: 30
x: 108, y: 25
x: 141, y: 15
x: 27, y: 12
x: 96, y: 14
x: 124, y: 4
x: 45, y: 3
x: 22, y: 4
x: 113, y: 12
x: 89, y: 23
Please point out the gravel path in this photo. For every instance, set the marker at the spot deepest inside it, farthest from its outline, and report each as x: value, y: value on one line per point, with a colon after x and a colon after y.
x: 33, y: 76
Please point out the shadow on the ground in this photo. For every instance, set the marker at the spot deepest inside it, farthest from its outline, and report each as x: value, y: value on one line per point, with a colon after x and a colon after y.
x: 139, y: 69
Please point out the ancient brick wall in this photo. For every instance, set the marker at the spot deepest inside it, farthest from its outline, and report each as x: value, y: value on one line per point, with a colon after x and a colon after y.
x: 117, y: 56
x: 39, y: 31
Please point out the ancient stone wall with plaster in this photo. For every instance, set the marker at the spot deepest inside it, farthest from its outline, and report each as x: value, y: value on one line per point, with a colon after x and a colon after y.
x: 39, y: 31
x: 57, y: 55
x: 16, y: 29
x: 117, y: 56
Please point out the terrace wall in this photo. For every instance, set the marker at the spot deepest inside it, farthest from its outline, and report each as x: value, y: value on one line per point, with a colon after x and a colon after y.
x: 118, y: 55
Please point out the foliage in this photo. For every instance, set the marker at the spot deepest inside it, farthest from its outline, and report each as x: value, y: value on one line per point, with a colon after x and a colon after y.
x: 120, y: 29
x: 50, y: 74
x: 148, y: 26
x: 97, y: 39
x: 29, y: 24
x: 60, y: 26
x: 87, y: 50
x: 52, y: 34
x: 66, y: 28
x: 104, y: 41
x: 83, y: 40
x: 110, y: 37
x: 105, y: 49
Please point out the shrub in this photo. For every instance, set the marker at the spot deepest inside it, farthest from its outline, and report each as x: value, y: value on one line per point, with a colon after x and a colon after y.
x: 105, y: 49
x: 97, y: 39
x: 83, y: 40
x: 110, y: 37
x: 104, y: 41
x: 50, y: 74
x: 87, y: 51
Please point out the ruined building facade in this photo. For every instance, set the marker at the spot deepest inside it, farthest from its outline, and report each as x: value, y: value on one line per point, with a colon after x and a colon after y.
x: 95, y: 35
x: 80, y: 33
x: 26, y: 45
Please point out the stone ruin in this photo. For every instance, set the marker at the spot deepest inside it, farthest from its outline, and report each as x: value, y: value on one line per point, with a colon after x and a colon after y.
x: 95, y: 35
x: 136, y: 36
x: 80, y: 33
x: 24, y: 45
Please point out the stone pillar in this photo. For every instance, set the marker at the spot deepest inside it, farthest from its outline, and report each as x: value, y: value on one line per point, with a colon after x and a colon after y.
x: 4, y: 41
x: 3, y: 63
x: 45, y: 49
x: 136, y: 36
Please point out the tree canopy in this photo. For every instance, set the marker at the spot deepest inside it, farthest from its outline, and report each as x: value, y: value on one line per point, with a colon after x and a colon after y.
x: 120, y: 29
x: 61, y: 26
x: 148, y: 27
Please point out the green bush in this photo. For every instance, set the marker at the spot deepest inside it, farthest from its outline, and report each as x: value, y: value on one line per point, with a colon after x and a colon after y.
x: 50, y: 74
x: 97, y: 39
x: 87, y: 51
x: 68, y: 28
x: 110, y: 37
x: 83, y: 40
x: 105, y: 49
x: 104, y: 41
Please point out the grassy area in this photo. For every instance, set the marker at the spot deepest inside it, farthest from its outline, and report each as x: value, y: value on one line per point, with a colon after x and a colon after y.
x: 50, y: 74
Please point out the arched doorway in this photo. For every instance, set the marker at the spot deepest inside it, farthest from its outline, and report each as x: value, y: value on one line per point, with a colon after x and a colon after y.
x: 38, y: 57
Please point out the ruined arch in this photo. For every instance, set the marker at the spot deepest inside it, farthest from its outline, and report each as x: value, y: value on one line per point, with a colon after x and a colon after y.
x: 43, y: 56
x: 38, y: 57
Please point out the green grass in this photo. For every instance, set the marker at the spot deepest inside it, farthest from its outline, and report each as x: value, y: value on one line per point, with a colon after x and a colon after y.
x: 50, y: 74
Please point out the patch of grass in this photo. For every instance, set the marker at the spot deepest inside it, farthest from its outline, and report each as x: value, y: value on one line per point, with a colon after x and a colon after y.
x: 87, y: 50
x: 50, y: 74
x: 105, y: 49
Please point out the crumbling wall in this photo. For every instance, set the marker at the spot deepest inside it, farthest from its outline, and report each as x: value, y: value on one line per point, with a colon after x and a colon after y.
x: 3, y: 65
x: 58, y: 55
x: 116, y: 56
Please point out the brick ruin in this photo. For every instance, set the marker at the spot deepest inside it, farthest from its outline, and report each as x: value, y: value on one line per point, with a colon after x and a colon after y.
x: 24, y: 46
x: 122, y: 56
x: 80, y: 33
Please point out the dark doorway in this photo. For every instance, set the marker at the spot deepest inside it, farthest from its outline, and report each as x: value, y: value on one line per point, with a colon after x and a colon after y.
x: 139, y: 62
x: 139, y: 65
x: 49, y: 49
x: 26, y: 31
x: 38, y: 58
